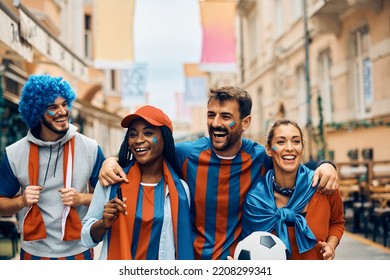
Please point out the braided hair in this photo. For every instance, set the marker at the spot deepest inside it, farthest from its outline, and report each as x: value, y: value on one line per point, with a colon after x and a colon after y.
x: 124, y: 155
x: 169, y: 152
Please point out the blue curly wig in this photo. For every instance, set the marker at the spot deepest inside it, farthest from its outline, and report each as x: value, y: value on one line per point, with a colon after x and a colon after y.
x: 38, y: 92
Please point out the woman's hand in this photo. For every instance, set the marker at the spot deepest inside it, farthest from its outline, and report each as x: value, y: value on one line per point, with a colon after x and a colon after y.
x: 327, y: 250
x: 111, y: 211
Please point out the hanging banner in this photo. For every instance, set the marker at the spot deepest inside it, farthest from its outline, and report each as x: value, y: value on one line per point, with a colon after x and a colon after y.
x: 133, y: 84
x: 183, y: 111
x: 219, y: 42
x: 195, y: 85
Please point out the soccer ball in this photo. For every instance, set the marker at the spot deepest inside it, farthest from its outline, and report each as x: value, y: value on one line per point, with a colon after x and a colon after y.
x: 261, y: 245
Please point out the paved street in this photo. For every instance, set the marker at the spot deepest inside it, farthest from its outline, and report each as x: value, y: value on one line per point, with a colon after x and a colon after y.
x: 355, y: 247
x: 352, y: 247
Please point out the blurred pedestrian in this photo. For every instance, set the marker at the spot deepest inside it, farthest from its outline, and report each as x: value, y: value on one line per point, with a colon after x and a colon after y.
x: 219, y: 171
x: 47, y: 177
x: 284, y: 202
x: 146, y: 218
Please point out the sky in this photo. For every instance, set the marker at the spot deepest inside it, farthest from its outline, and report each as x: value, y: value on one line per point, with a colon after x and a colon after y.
x: 167, y: 34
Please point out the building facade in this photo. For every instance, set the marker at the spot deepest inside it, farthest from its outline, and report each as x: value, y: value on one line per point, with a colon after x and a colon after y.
x: 75, y: 40
x: 323, y: 64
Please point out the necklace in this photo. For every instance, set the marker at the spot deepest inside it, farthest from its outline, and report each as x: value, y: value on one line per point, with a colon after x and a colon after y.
x: 282, y: 191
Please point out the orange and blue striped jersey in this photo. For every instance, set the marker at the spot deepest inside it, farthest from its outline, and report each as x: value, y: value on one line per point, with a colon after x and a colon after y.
x: 218, y: 187
x: 148, y: 222
x: 158, y: 222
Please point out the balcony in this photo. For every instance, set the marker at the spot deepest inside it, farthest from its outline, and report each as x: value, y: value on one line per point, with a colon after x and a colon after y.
x: 326, y: 14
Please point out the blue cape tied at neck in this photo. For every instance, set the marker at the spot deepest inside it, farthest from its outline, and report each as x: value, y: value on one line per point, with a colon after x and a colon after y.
x: 261, y: 214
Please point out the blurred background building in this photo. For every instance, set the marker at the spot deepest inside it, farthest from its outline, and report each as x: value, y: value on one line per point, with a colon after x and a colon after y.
x: 89, y: 43
x: 323, y: 63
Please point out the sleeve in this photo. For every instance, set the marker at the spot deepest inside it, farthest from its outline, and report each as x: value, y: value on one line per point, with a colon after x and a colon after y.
x: 96, y: 168
x: 337, y: 220
x: 9, y: 184
x: 187, y: 190
x: 181, y: 153
x: 327, y: 161
x: 95, y: 212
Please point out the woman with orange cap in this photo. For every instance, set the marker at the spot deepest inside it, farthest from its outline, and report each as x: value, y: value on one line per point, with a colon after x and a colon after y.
x: 147, y: 217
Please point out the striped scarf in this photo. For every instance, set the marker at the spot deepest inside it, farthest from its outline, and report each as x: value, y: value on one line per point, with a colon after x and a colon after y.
x: 120, y: 235
x: 33, y: 224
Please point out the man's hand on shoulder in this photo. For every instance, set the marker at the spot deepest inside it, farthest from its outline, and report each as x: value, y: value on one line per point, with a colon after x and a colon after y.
x: 111, y: 172
x: 326, y: 177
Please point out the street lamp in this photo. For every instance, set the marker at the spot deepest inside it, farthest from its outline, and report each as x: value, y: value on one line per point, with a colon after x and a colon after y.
x: 309, y: 126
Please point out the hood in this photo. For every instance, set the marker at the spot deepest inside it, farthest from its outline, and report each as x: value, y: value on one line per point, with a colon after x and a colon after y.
x: 51, y: 150
x: 41, y: 143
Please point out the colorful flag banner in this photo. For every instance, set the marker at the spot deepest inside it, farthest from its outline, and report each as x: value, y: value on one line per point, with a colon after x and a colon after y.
x: 195, y: 85
x: 219, y: 42
x: 133, y: 84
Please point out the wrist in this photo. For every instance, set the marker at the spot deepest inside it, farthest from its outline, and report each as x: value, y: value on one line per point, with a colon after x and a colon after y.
x: 333, y: 250
x: 327, y: 161
x: 101, y: 225
x: 331, y: 246
x: 22, y: 202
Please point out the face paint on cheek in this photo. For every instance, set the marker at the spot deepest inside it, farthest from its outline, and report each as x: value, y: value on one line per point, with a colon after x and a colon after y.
x: 233, y: 123
x: 274, y: 148
x: 155, y: 141
x: 51, y: 113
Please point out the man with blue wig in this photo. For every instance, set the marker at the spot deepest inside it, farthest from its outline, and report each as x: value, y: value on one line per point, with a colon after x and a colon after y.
x: 47, y: 177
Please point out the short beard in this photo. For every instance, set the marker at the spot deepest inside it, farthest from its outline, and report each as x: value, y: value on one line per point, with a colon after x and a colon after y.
x: 231, y: 139
x: 53, y: 129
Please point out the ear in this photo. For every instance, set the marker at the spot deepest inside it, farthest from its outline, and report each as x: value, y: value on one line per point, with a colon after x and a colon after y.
x: 246, y: 122
x: 268, y: 150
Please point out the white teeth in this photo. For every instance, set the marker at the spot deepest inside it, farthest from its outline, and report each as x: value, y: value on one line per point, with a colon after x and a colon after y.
x: 140, y: 150
x: 289, y: 157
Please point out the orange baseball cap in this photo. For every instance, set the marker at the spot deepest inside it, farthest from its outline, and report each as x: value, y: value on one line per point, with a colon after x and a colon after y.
x: 151, y: 114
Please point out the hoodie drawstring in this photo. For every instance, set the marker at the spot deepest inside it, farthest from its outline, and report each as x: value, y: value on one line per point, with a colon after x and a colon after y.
x: 48, y: 164
x: 58, y: 152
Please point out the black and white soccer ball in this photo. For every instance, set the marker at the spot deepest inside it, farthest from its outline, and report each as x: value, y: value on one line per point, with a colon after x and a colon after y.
x: 261, y: 245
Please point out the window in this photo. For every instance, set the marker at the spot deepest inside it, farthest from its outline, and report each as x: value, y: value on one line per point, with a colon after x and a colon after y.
x: 325, y: 86
x: 87, y: 36
x: 302, y: 98
x: 362, y: 73
x: 252, y: 35
x: 296, y: 9
x: 113, y: 79
x: 279, y: 17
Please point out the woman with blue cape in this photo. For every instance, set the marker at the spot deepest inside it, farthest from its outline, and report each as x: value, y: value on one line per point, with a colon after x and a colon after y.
x: 309, y: 223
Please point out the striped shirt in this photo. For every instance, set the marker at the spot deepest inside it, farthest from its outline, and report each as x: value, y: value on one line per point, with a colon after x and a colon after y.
x: 149, y: 218
x: 217, y: 190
